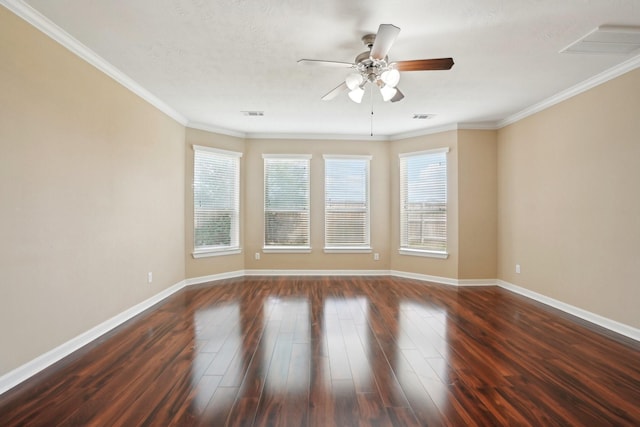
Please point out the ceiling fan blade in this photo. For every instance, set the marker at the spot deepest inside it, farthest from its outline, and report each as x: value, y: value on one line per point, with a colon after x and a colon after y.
x: 342, y: 87
x: 398, y: 96
x: 425, y: 64
x: 320, y: 62
x: 387, y: 34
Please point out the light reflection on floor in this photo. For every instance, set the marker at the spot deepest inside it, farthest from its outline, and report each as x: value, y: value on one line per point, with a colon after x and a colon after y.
x: 423, y: 350
x: 320, y: 350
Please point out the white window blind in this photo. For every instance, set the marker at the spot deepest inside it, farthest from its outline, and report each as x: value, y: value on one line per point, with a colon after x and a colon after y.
x: 286, y: 202
x: 423, y: 201
x: 216, y: 199
x: 346, y: 202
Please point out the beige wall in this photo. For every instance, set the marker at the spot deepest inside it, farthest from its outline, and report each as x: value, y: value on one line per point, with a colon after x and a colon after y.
x: 317, y: 260
x: 569, y: 200
x: 91, y: 195
x: 417, y: 264
x: 218, y: 264
x: 472, y: 254
x: 477, y: 204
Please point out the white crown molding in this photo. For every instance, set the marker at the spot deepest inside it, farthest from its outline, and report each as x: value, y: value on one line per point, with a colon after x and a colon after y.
x: 214, y: 129
x: 621, y: 328
x: 424, y: 132
x: 445, y: 128
x: 478, y: 126
x: 29, y: 369
x: 318, y: 136
x: 345, y: 137
x: 43, y: 24
x: 590, y: 83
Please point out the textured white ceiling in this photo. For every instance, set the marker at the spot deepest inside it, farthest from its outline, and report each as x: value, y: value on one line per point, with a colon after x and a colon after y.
x: 211, y: 59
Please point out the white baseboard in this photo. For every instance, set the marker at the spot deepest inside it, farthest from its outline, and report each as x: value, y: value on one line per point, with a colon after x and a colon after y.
x: 424, y: 277
x: 444, y: 280
x: 214, y: 277
x: 417, y: 276
x: 621, y: 328
x: 476, y: 282
x: 24, y: 372
x: 316, y: 272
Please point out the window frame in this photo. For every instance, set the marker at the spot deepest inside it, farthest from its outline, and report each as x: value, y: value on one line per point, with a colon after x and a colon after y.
x: 284, y: 248
x: 364, y: 247
x: 406, y: 249
x: 234, y: 235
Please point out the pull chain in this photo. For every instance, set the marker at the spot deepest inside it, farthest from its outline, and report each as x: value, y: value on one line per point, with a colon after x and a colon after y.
x: 371, y: 98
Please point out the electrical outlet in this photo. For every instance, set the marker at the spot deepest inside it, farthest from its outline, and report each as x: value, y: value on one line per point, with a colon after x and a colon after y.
x: 149, y: 277
x: 518, y: 268
x: 376, y: 257
x: 257, y: 256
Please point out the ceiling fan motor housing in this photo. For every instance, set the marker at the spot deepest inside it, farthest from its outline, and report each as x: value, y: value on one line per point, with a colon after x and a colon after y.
x: 371, y: 69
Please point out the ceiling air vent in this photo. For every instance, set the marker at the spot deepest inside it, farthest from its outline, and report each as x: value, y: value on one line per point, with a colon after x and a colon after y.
x: 422, y: 116
x: 607, y: 39
x: 253, y: 113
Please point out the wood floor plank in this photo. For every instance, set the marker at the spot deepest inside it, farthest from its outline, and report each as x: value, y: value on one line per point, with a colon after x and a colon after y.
x: 322, y: 351
x: 218, y: 411
x: 199, y: 397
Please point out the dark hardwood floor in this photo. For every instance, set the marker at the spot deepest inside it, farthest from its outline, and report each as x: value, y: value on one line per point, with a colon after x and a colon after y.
x: 340, y: 351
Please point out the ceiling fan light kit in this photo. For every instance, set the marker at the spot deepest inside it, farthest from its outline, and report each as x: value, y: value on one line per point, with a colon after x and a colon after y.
x: 373, y: 67
x: 356, y: 95
x: 388, y: 92
x: 390, y: 77
x: 354, y: 80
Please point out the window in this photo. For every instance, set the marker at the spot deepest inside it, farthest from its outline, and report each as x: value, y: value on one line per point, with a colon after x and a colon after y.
x: 346, y: 203
x: 423, y: 203
x: 216, y: 201
x: 286, y: 203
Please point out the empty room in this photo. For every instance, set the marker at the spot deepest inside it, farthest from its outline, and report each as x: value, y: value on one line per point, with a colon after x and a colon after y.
x: 319, y: 213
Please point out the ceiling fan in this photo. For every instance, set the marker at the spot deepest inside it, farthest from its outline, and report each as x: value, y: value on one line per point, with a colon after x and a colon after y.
x: 373, y: 66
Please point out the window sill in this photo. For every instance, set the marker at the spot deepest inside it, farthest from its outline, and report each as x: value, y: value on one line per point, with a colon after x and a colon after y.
x: 422, y: 253
x: 205, y: 253
x: 286, y: 250
x: 348, y: 250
